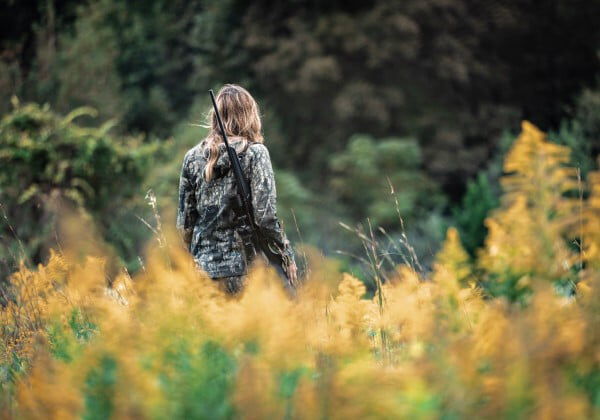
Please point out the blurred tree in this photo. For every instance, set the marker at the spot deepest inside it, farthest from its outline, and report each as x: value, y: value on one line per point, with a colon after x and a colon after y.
x: 535, y: 219
x: 591, y: 226
x: 483, y: 192
x: 47, y: 160
x: 587, y: 117
x: 28, y: 44
x: 453, y: 73
x: 448, y: 68
x: 145, y: 52
x: 476, y: 204
x: 571, y: 133
x: 371, y: 177
x: 130, y: 60
x: 94, y: 81
x: 295, y: 203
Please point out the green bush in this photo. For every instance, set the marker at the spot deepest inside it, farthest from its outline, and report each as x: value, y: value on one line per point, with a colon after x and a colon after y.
x: 365, y: 172
x: 47, y: 161
x: 197, y: 382
x: 476, y: 204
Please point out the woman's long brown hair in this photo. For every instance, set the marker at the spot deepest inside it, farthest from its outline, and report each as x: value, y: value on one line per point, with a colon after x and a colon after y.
x: 241, y: 118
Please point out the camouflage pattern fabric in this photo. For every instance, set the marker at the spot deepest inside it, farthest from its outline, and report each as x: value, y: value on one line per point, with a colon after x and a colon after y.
x: 209, y: 212
x: 231, y: 285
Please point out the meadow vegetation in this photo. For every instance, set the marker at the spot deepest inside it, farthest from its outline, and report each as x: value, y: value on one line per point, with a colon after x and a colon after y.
x: 509, y: 330
x: 456, y: 261
x: 351, y: 94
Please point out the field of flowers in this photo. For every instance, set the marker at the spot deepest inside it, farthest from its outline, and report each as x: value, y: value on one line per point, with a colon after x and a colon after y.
x: 513, y: 333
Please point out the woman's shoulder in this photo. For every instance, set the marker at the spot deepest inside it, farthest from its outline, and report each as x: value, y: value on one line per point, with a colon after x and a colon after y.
x: 258, y: 150
x: 194, y: 159
x: 195, y: 153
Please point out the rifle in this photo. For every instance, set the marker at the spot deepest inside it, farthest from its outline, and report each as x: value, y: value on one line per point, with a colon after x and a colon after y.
x: 258, y: 239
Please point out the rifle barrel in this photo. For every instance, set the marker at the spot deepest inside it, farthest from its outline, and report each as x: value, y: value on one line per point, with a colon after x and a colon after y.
x: 243, y: 188
x: 221, y: 126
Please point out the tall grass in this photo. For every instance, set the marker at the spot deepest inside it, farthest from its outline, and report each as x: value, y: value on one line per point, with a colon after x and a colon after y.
x: 495, y: 337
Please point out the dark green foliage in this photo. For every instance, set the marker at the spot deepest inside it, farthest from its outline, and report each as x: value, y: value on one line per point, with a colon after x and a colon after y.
x: 46, y: 162
x: 590, y: 382
x: 83, y: 329
x: 588, y: 116
x: 365, y: 173
x: 10, y: 371
x: 454, y: 73
x: 469, y: 217
x: 582, y: 133
x: 67, y: 343
x: 129, y: 60
x: 481, y: 196
x: 516, y: 288
x: 571, y: 134
x: 99, y: 390
x: 152, y: 57
x: 450, y: 75
x: 60, y: 342
x: 198, y: 382
x: 298, y: 207
x: 288, y: 383
x: 507, y: 285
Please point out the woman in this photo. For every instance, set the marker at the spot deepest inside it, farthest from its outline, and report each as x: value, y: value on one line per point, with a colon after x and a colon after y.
x: 208, y: 215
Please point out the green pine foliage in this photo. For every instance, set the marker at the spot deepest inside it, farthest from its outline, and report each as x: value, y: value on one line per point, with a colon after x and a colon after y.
x: 48, y: 161
x: 370, y: 177
x: 479, y: 199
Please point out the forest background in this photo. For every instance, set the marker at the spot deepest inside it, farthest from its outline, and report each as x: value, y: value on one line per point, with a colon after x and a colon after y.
x: 370, y: 109
x: 441, y: 154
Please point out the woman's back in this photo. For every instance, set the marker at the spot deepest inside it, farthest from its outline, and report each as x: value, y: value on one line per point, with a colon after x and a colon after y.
x: 210, y: 214
x: 209, y: 210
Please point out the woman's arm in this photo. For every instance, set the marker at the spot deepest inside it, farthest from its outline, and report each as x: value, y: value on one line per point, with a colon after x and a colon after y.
x: 264, y: 205
x: 186, y: 211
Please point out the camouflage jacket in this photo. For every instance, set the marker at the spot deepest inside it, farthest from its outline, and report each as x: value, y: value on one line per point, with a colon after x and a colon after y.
x: 208, y: 213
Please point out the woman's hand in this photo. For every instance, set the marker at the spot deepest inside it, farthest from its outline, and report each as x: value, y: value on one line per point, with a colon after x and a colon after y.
x: 292, y: 273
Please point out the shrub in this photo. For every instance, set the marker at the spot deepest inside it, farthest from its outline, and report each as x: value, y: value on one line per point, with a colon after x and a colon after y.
x: 48, y: 161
